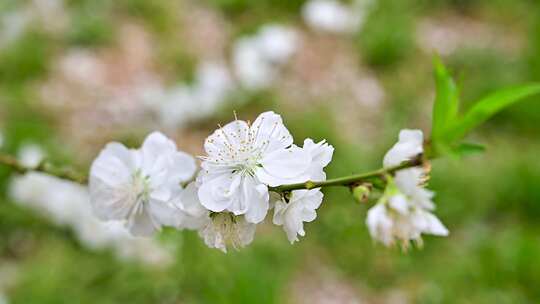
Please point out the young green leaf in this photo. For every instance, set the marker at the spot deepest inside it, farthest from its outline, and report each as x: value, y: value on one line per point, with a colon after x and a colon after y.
x: 489, y: 106
x: 469, y: 148
x: 446, y: 104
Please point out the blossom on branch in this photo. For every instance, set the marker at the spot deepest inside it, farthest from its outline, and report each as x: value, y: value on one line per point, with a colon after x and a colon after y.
x: 231, y: 193
x: 300, y: 208
x: 225, y: 229
x: 403, y: 213
x: 243, y: 160
x: 218, y: 230
x: 139, y: 185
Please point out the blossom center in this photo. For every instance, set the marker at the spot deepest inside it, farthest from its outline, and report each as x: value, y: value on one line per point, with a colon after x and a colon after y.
x: 238, y: 149
x: 140, y: 184
x: 225, y: 225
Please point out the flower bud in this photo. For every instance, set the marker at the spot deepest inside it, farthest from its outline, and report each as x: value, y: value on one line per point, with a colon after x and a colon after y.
x: 361, y: 192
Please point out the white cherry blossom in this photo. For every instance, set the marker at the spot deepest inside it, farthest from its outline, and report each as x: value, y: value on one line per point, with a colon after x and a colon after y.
x: 225, y: 229
x: 303, y: 203
x: 138, y: 185
x: 243, y: 160
x: 404, y: 212
x: 218, y: 230
x: 300, y: 208
x: 397, y: 217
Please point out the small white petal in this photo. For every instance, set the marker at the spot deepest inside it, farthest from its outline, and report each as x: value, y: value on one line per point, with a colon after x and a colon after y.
x: 281, y: 166
x: 182, y: 166
x: 321, y: 155
x: 380, y: 224
x: 258, y: 197
x: 215, y: 193
x: 155, y: 146
x: 193, y: 215
x: 230, y: 135
x: 399, y: 203
x: 270, y: 132
x: 163, y: 212
x: 410, y: 145
x: 239, y: 202
x: 140, y: 222
x: 114, y: 164
x: 429, y: 223
x: 110, y: 203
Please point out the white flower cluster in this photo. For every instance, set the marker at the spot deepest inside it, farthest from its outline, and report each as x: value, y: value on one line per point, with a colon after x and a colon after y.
x: 403, y: 213
x: 231, y: 193
x: 243, y: 160
x: 138, y: 191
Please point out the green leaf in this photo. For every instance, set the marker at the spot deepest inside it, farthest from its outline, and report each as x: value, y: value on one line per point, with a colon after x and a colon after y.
x: 446, y: 105
x: 489, y: 106
x: 469, y: 148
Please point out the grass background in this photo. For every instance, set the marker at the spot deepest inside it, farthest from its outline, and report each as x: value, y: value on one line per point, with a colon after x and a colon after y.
x: 490, y: 202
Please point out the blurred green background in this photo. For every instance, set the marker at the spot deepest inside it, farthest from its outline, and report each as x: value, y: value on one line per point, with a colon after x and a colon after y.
x: 489, y: 202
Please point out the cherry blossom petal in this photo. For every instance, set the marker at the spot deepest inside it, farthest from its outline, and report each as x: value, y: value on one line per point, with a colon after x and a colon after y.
x: 163, y: 213
x: 155, y: 146
x: 140, y: 223
x: 215, y: 193
x: 270, y: 133
x: 110, y: 203
x: 226, y: 138
x: 258, y: 197
x: 281, y: 165
x: 114, y: 165
x: 410, y: 145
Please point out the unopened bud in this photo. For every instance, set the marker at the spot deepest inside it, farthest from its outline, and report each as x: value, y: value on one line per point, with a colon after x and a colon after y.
x: 361, y: 192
